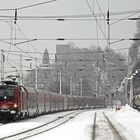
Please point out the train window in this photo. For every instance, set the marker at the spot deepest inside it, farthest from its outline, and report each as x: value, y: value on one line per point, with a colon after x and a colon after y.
x: 6, y: 92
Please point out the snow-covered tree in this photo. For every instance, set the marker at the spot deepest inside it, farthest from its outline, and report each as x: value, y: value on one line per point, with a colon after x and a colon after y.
x: 46, y: 59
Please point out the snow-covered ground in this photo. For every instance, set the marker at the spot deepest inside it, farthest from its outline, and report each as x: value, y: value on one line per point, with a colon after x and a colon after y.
x: 15, y: 127
x: 126, y: 121
x: 79, y: 128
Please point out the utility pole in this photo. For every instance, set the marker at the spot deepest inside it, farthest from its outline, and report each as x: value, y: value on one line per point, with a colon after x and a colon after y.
x: 21, y: 73
x: 131, y: 90
x: 2, y: 64
x: 130, y: 72
x: 36, y: 77
x: 71, y: 86
x: 81, y: 94
x: 60, y: 83
x: 126, y: 90
x: 108, y: 19
x: 36, y: 74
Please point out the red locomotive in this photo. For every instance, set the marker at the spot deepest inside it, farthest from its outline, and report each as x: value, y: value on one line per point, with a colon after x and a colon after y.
x: 17, y: 101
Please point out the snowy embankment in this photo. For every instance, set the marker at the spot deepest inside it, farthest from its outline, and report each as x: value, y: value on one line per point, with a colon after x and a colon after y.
x: 126, y: 121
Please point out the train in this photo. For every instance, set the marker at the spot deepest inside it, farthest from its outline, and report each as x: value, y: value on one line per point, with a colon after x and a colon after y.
x: 18, y: 101
x: 136, y: 102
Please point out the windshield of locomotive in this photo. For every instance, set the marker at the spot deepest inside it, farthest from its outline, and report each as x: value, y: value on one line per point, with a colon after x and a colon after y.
x: 6, y: 92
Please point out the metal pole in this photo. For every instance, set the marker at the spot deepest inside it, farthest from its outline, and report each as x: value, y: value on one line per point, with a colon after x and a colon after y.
x: 21, y: 74
x: 36, y: 78
x: 126, y: 98
x: 2, y: 64
x: 60, y: 83
x: 108, y: 19
x: 96, y: 88
x: 131, y: 90
x: 71, y: 85
x: 81, y: 87
x: 36, y: 74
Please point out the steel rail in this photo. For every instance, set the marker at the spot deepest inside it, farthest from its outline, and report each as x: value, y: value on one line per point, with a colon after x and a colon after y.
x: 94, y: 128
x: 113, y: 127
x: 41, y: 126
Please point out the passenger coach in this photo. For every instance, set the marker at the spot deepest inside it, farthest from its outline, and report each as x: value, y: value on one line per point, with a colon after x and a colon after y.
x: 18, y: 101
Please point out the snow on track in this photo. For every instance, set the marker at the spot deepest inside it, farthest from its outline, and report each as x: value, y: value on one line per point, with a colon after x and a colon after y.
x: 17, y: 127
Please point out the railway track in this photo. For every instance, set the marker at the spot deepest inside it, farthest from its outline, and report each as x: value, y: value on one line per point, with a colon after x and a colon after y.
x: 103, y: 128
x: 42, y: 128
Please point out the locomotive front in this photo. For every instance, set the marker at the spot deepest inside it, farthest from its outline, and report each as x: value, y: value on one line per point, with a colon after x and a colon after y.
x: 8, y: 101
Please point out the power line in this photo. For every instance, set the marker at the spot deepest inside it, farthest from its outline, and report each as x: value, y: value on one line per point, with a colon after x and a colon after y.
x: 95, y: 18
x: 67, y: 52
x: 37, y: 4
x: 77, y: 60
x: 69, y: 19
x: 26, y: 41
x: 63, y: 39
x: 103, y: 14
x: 76, y: 16
x: 28, y: 6
x: 127, y: 17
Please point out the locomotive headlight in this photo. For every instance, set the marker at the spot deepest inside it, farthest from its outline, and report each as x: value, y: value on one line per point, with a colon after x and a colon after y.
x: 13, y: 111
x: 15, y: 105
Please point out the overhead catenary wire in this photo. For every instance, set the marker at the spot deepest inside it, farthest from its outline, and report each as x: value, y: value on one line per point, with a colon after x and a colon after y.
x: 28, y: 6
x: 11, y: 35
x: 95, y: 18
x: 127, y: 17
x: 70, y: 19
x: 15, y: 44
x: 20, y: 50
x: 63, y: 39
x: 103, y: 14
x: 37, y: 4
x: 26, y: 38
x: 51, y: 53
x: 75, y: 16
x: 100, y: 25
x: 77, y: 60
x: 70, y: 53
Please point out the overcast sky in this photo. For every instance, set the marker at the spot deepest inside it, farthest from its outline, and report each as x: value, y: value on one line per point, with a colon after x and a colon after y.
x: 51, y: 29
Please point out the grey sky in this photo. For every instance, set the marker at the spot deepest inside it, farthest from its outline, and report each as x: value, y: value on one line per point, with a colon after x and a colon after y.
x: 67, y: 29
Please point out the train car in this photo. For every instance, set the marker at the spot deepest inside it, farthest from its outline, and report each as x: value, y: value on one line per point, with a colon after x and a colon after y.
x: 55, y: 102
x: 32, y: 102
x: 100, y: 102
x: 13, y: 100
x: 76, y: 102
x: 89, y: 102
x: 70, y: 102
x: 66, y: 105
x: 40, y: 102
x: 81, y: 102
x: 47, y: 102
x: 18, y: 101
x: 136, y: 102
